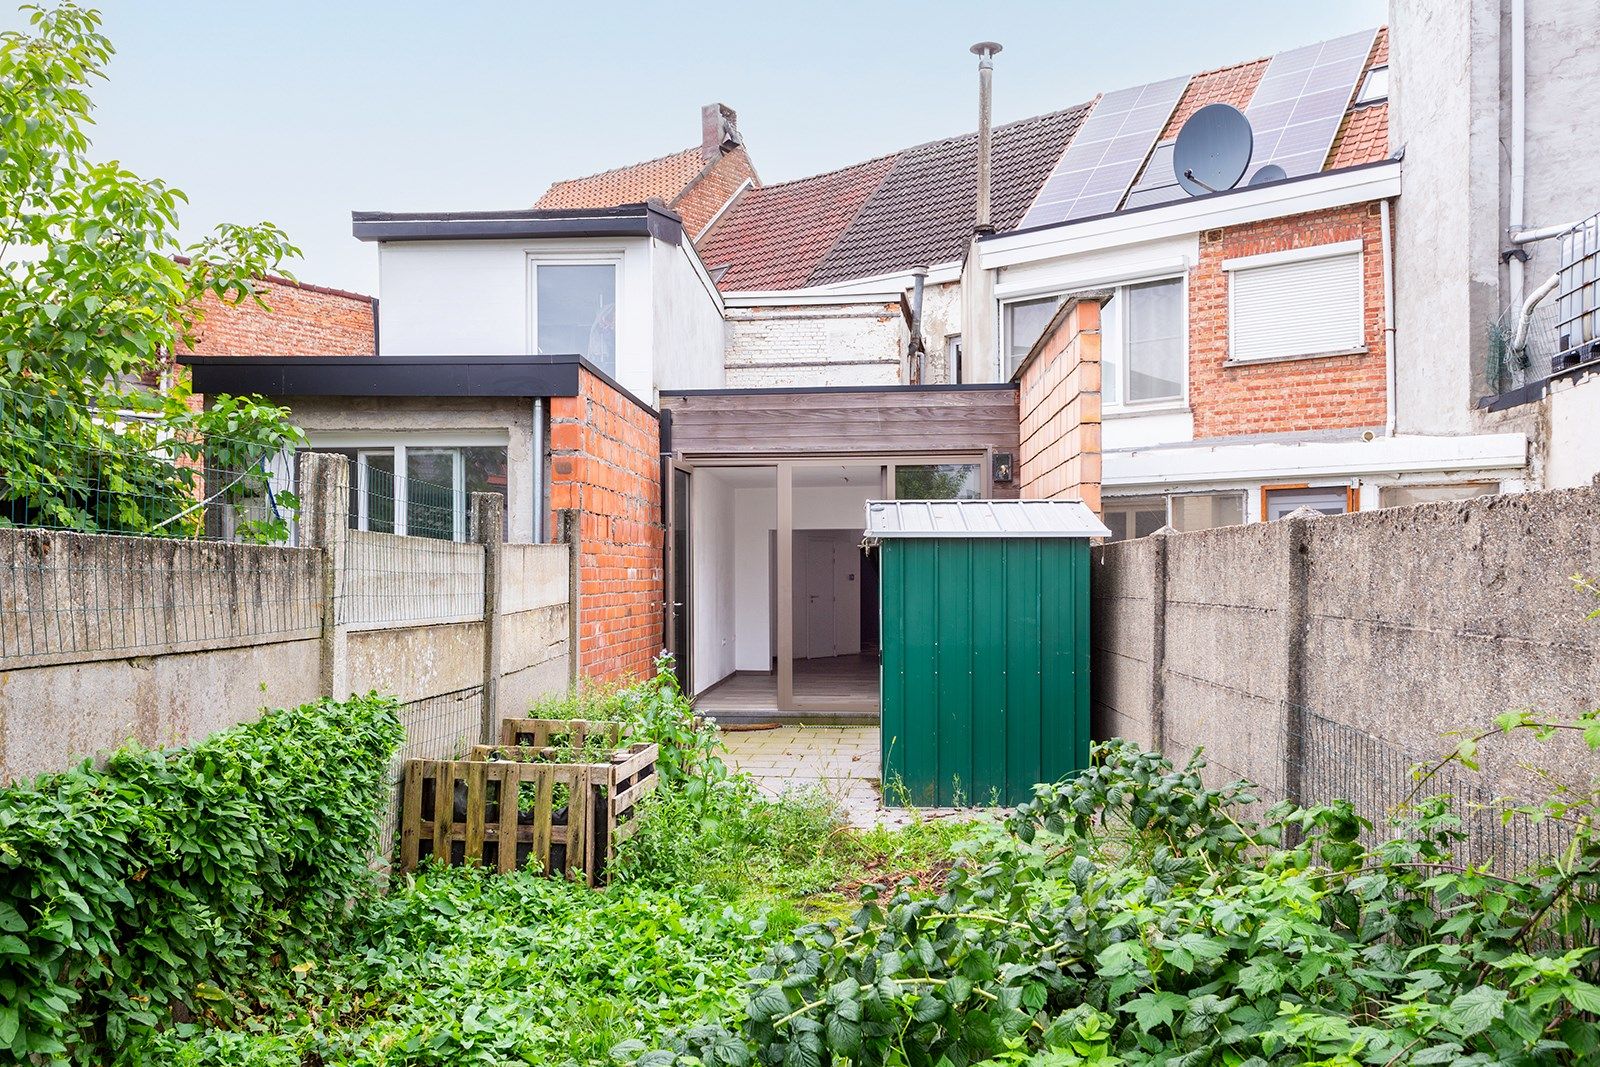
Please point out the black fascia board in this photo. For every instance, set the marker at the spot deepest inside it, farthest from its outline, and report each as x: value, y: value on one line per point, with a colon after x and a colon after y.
x: 434, y: 376
x: 627, y: 220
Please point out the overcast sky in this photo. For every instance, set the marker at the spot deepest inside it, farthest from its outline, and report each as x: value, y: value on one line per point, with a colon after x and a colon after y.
x: 299, y: 112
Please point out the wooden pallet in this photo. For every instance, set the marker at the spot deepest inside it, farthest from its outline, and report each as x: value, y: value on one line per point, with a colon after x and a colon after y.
x: 541, y: 733
x: 562, y: 819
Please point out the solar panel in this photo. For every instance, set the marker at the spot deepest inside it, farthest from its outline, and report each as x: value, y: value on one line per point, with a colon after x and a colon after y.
x: 1104, y: 157
x: 1302, y: 99
x: 1159, y: 182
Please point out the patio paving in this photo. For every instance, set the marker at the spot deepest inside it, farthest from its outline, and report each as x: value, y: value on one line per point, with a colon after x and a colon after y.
x: 841, y: 760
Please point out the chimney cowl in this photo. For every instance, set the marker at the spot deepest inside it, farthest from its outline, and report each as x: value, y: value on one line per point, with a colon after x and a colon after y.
x: 719, y: 131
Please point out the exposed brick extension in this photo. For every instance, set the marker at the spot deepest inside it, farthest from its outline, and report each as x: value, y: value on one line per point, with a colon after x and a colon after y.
x: 303, y: 320
x: 605, y: 463
x: 1307, y: 394
x: 699, y: 203
x: 1060, y: 409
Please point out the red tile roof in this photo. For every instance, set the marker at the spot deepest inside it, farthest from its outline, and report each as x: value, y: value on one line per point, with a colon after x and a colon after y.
x: 775, y: 235
x: 1225, y: 85
x: 663, y: 179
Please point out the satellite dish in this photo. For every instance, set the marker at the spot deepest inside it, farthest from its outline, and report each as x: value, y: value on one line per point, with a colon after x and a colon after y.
x: 1269, y: 173
x: 1213, y: 150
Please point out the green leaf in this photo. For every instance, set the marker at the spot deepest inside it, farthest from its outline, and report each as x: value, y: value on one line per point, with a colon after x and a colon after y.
x: 1155, y: 1009
x: 1474, y: 1011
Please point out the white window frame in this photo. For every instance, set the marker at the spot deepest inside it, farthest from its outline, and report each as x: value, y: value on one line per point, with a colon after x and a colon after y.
x: 1286, y: 257
x: 1365, y: 95
x: 424, y: 441
x: 598, y: 257
x: 1141, y: 407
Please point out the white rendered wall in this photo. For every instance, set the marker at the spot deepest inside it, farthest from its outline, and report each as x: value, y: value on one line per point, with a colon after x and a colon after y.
x: 711, y: 578
x: 688, y: 322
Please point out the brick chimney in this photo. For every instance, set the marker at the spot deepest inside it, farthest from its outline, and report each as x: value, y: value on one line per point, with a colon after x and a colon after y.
x: 719, y: 132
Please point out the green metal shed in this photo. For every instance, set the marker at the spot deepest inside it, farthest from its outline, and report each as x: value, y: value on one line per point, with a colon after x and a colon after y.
x: 985, y: 634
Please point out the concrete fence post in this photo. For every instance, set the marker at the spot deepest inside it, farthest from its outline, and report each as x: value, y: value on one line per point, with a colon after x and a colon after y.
x: 1158, y: 639
x: 324, y: 523
x: 1296, y: 627
x: 488, y: 530
x: 570, y: 533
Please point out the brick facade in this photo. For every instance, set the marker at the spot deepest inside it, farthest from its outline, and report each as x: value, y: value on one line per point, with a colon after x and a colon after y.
x: 710, y: 192
x: 300, y: 320
x: 1336, y: 392
x: 1060, y: 410
x: 605, y: 464
x: 815, y: 345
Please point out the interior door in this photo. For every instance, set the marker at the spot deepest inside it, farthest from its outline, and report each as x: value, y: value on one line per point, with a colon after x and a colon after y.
x: 814, y: 575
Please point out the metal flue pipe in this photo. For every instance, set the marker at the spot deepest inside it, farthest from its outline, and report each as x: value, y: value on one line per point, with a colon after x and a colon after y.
x: 985, y: 51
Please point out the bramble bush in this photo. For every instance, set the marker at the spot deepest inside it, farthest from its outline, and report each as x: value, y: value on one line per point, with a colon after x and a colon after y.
x: 1133, y: 916
x: 147, y: 884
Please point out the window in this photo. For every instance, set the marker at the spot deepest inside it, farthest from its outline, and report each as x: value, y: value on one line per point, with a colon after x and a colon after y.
x: 1023, y: 323
x: 1308, y: 302
x: 1374, y: 87
x: 938, y: 481
x: 1276, y: 502
x: 1399, y: 496
x: 575, y: 311
x: 952, y: 358
x: 1206, y: 511
x: 420, y: 490
x: 1142, y: 345
x: 1134, y: 516
x: 1143, y: 515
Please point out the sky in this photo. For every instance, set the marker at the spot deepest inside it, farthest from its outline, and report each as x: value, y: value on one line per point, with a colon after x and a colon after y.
x: 301, y: 112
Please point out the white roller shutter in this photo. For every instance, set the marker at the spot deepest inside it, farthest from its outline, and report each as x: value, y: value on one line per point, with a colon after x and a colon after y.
x: 1300, y: 308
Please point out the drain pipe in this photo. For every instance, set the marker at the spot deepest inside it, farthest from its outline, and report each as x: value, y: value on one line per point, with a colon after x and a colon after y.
x: 985, y: 51
x: 1385, y: 231
x: 915, y: 349
x: 1519, y: 343
x: 1519, y: 84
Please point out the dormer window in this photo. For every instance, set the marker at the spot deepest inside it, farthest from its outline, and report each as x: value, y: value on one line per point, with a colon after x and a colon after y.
x: 574, y: 309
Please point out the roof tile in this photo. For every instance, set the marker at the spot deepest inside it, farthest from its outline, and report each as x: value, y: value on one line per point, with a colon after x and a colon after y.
x: 775, y: 235
x: 663, y: 179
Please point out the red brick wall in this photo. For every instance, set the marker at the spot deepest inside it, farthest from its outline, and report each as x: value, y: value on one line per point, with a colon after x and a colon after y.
x: 302, y: 321
x: 700, y: 202
x: 1304, y: 394
x: 606, y: 465
x: 1060, y: 410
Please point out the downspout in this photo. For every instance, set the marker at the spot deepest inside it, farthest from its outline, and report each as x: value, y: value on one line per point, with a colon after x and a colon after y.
x: 1519, y: 343
x: 540, y: 515
x: 1519, y: 42
x: 1387, y: 251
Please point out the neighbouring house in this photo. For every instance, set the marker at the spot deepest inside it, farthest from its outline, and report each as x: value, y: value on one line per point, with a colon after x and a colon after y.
x: 702, y: 379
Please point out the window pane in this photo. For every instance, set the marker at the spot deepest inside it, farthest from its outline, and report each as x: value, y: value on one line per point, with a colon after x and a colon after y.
x: 1155, y: 348
x: 378, y: 482
x: 486, y: 473
x: 1206, y: 511
x: 1024, y: 323
x: 1111, y: 351
x: 1333, y: 500
x: 577, y: 311
x: 1135, y: 516
x: 943, y: 481
x: 1399, y: 496
x: 430, y: 493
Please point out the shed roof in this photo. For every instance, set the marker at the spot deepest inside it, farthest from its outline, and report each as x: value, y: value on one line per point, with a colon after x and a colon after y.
x: 982, y: 518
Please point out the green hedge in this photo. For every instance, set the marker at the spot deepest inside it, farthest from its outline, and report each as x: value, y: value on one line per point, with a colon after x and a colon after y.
x: 128, y: 889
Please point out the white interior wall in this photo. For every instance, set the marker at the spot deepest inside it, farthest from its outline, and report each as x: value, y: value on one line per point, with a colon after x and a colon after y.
x: 712, y: 591
x: 755, y: 516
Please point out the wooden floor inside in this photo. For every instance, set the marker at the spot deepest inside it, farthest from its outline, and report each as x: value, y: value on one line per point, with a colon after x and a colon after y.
x: 749, y: 695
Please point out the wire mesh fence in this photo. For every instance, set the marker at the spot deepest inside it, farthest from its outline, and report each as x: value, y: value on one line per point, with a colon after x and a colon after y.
x: 436, y: 727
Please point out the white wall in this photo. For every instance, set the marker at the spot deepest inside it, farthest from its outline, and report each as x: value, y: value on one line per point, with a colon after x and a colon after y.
x: 755, y: 517
x: 471, y: 298
x: 1573, y: 455
x: 711, y: 618
x: 816, y: 345
x: 688, y: 321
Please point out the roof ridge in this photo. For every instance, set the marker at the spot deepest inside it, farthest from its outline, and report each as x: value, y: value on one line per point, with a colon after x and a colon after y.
x: 625, y: 166
x: 827, y: 173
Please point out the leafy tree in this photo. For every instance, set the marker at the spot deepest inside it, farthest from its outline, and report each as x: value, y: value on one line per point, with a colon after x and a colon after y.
x: 95, y: 290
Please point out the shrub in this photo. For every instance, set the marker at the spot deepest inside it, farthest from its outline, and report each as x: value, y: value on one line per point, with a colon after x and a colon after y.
x: 129, y: 889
